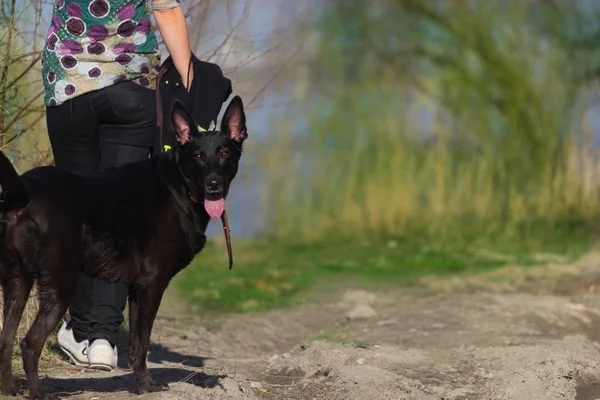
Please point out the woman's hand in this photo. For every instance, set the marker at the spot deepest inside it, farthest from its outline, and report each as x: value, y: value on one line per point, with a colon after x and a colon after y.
x: 173, y: 29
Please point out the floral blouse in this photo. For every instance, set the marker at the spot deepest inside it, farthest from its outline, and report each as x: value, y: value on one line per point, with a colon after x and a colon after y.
x: 92, y: 44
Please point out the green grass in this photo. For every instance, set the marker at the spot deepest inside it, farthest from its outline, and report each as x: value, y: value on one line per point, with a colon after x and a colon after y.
x: 272, y: 273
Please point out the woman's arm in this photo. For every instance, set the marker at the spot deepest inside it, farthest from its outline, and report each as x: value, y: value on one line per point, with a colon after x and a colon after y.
x: 173, y: 29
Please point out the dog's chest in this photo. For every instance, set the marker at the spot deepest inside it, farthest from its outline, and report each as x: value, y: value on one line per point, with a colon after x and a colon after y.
x: 187, y: 239
x: 193, y: 226
x: 190, y: 247
x: 195, y: 244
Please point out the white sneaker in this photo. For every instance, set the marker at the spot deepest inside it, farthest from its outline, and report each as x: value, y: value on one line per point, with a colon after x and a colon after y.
x: 101, y: 355
x: 77, y: 351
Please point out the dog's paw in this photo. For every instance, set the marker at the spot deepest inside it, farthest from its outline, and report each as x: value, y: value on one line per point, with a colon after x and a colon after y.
x: 42, y: 396
x: 10, y: 388
x: 154, y: 386
x: 158, y: 386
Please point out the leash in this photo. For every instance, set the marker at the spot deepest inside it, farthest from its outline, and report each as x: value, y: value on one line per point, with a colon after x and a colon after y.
x: 159, y: 111
x: 225, y: 224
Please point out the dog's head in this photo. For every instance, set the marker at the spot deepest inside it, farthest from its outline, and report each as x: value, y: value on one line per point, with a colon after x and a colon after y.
x: 208, y: 160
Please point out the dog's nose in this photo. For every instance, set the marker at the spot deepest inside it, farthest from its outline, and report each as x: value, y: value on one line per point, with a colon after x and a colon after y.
x: 213, y: 185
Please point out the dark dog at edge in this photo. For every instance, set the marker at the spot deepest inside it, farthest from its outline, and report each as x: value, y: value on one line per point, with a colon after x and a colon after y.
x: 139, y: 224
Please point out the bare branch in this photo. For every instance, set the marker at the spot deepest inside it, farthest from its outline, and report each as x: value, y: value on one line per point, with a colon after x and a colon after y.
x: 4, y: 76
x: 21, y: 113
x: 277, y: 73
x: 20, y: 57
x: 231, y: 32
x: 26, y: 70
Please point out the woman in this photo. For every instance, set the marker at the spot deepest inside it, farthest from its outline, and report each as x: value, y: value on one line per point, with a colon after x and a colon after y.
x: 99, y: 68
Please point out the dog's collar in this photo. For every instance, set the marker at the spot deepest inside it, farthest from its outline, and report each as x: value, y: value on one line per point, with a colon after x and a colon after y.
x: 194, y: 198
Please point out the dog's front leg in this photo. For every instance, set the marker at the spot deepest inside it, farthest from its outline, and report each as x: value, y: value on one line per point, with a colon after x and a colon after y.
x: 143, y: 306
x: 15, y: 293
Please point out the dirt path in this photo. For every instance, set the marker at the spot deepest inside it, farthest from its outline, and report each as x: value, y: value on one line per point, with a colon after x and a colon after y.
x: 522, y: 334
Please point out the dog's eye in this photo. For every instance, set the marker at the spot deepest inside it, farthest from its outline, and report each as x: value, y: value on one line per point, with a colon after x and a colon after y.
x: 224, y: 154
x: 199, y: 156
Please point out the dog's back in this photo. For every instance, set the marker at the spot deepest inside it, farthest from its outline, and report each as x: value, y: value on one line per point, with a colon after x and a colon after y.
x: 31, y: 207
x: 109, y: 215
x: 121, y: 216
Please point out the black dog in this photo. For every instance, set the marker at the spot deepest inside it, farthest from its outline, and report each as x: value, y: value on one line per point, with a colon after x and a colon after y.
x: 138, y: 224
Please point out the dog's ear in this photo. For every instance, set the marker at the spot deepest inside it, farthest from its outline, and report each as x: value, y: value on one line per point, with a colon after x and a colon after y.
x: 182, y: 123
x: 234, y: 121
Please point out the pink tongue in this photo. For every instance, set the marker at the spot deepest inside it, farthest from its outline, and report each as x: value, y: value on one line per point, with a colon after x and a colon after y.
x: 214, y: 208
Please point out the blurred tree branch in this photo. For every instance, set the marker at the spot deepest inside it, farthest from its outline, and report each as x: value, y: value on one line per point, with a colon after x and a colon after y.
x: 4, y: 76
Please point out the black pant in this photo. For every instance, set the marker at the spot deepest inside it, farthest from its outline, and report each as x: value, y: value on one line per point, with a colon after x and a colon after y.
x: 105, y: 128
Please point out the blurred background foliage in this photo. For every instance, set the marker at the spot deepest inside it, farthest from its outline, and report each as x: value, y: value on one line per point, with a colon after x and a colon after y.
x: 445, y: 119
